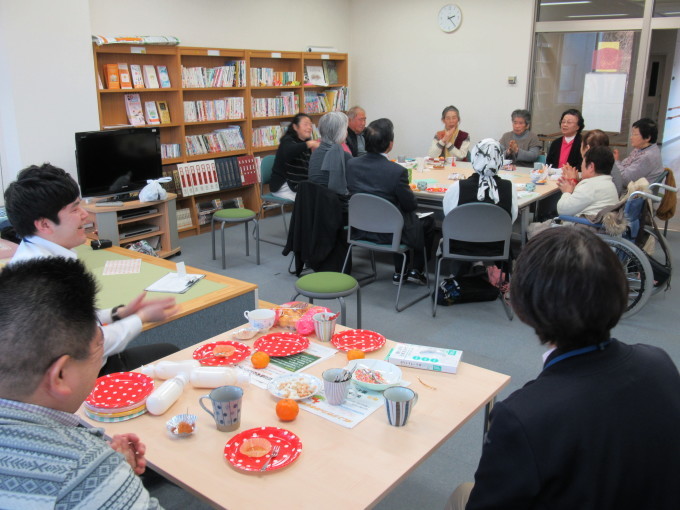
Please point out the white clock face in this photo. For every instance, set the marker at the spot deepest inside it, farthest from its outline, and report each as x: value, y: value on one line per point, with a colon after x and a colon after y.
x: 449, y: 18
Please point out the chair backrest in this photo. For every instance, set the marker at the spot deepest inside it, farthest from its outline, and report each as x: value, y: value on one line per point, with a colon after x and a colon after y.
x: 477, y: 223
x: 541, y: 158
x: 266, y: 165
x: 371, y: 213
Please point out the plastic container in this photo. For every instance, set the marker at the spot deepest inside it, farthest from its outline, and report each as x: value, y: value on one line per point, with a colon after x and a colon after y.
x: 213, y: 377
x: 166, y: 394
x: 168, y: 369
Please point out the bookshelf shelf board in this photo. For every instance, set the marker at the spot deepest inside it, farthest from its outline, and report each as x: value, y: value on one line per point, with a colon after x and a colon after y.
x: 172, y: 161
x: 137, y: 91
x: 276, y: 117
x: 265, y: 148
x: 139, y: 218
x: 275, y: 87
x: 204, y: 89
x: 213, y: 155
x: 222, y: 121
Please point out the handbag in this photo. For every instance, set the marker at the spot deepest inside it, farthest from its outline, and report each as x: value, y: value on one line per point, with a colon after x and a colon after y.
x: 466, y: 289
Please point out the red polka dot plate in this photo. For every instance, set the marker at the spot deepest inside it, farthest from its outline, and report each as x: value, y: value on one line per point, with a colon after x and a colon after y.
x: 289, y: 445
x: 281, y: 344
x: 361, y: 339
x: 121, y: 389
x: 206, y: 356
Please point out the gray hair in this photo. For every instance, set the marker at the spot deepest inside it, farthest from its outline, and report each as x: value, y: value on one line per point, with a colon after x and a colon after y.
x: 353, y: 111
x: 521, y: 114
x: 333, y: 127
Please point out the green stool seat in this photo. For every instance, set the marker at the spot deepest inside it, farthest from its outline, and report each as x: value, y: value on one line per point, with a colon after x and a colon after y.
x: 330, y: 285
x: 235, y: 215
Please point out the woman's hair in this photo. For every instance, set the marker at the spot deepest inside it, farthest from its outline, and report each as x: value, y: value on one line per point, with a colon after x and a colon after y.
x: 333, y: 127
x: 450, y: 109
x: 295, y: 122
x: 570, y: 287
x: 521, y: 114
x: 577, y: 114
x: 647, y: 128
x: 594, y: 138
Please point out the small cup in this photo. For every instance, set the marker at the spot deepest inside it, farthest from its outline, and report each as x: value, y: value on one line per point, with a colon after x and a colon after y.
x: 422, y: 185
x: 336, y: 385
x: 538, y: 166
x: 226, y: 405
x: 323, y: 326
x: 399, y: 402
x: 449, y: 161
x: 262, y: 318
x: 401, y: 159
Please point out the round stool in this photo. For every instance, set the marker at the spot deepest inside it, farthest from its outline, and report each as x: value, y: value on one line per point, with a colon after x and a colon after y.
x: 235, y: 215
x: 330, y: 285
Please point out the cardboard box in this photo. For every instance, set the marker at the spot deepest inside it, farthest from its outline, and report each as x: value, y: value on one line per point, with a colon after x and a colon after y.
x: 424, y: 357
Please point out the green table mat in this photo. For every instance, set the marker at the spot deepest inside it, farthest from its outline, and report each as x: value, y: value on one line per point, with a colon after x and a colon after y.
x: 122, y: 288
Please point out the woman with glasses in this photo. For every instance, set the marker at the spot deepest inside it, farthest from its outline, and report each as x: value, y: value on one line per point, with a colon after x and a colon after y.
x: 567, y: 148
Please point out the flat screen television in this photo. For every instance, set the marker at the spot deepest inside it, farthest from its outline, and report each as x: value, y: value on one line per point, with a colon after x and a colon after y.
x: 116, y: 162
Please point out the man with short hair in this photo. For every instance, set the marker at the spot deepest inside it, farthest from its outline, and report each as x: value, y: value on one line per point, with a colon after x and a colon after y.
x: 43, y: 206
x: 373, y: 173
x: 356, y: 140
x: 51, y: 350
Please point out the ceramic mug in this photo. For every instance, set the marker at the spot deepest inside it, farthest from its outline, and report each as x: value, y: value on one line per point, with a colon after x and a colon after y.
x: 336, y: 383
x: 226, y: 407
x: 262, y: 318
x: 422, y: 185
x: 323, y: 326
x: 399, y: 402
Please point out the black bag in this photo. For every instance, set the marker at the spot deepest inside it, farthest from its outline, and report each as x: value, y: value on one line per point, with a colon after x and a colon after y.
x: 467, y: 289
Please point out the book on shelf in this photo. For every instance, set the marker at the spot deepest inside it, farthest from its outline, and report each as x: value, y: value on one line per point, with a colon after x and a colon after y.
x: 315, y: 75
x: 170, y: 185
x: 184, y: 218
x: 137, y: 76
x: 330, y: 71
x: 178, y: 183
x: 111, y: 75
x: 100, y: 85
x: 151, y: 112
x: 163, y: 77
x: 164, y: 112
x: 133, y: 107
x: 150, y: 78
x: 185, y: 180
x: 170, y: 150
x: 124, y: 75
x: 248, y: 170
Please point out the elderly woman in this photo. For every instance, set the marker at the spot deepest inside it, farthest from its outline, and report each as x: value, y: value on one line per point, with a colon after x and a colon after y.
x: 484, y: 185
x: 590, y: 139
x: 292, y: 157
x: 521, y: 145
x: 567, y: 148
x: 327, y: 164
x: 645, y: 159
x: 451, y: 141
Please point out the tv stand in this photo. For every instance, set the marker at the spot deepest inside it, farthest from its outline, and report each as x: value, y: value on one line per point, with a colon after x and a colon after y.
x: 122, y: 197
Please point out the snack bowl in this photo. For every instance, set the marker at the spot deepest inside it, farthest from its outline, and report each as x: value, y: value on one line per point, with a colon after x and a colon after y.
x: 244, y: 333
x: 367, y: 369
x: 174, y: 423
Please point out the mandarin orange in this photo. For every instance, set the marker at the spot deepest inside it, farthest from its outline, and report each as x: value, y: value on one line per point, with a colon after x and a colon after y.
x: 287, y: 409
x: 355, y: 354
x: 259, y: 359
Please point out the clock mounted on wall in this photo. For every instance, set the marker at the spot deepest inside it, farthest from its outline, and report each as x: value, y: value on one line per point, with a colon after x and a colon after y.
x: 449, y: 18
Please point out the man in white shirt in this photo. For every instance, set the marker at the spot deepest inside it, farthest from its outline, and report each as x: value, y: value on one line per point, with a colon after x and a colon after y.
x: 43, y: 206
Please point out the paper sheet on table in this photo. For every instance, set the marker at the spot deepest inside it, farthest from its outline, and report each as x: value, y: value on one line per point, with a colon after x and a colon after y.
x: 124, y: 266
x: 175, y: 283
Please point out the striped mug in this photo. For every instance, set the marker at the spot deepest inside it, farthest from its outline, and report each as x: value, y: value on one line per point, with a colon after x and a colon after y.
x: 399, y: 401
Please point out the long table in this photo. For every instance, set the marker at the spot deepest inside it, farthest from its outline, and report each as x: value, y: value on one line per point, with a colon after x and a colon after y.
x: 339, y: 468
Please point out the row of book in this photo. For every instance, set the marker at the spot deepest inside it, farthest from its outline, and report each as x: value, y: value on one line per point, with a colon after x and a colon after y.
x: 170, y: 150
x: 152, y: 112
x: 328, y: 101
x: 213, y: 175
x: 267, y: 136
x: 184, y: 218
x: 205, y: 210
x: 288, y: 103
x: 232, y: 74
x: 267, y: 77
x: 220, y: 140
x: 227, y: 108
x: 322, y: 75
x: 119, y: 76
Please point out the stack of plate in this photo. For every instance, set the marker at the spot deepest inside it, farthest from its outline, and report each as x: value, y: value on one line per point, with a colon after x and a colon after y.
x: 119, y: 397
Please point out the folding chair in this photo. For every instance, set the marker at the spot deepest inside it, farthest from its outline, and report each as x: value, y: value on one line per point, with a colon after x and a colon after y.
x: 269, y: 200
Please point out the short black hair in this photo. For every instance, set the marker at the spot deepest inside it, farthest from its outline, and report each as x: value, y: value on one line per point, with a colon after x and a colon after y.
x: 295, y: 122
x: 647, y: 128
x: 47, y: 309
x: 39, y: 192
x: 575, y: 113
x: 570, y: 287
x: 379, y: 134
x: 602, y: 157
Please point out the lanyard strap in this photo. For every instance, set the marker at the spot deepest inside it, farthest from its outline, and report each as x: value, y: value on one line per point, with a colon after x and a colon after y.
x: 577, y: 352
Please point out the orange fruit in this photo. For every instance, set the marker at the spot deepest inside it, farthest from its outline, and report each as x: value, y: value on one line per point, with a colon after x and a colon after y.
x: 287, y: 409
x: 260, y: 359
x: 355, y: 354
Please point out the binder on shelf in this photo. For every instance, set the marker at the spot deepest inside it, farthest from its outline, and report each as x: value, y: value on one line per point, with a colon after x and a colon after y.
x: 163, y: 77
x: 151, y: 112
x: 133, y: 107
x: 150, y: 78
x: 136, y: 75
x: 112, y: 77
x: 164, y: 112
x: 330, y: 71
x: 124, y: 76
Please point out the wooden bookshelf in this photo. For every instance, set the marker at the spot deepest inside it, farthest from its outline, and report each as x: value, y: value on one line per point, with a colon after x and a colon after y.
x: 111, y: 103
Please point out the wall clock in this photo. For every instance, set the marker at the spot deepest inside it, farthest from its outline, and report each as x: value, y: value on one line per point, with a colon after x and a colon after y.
x: 449, y: 18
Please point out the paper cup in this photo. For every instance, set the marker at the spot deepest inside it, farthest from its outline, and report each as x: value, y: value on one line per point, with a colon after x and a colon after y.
x: 336, y: 392
x: 323, y: 327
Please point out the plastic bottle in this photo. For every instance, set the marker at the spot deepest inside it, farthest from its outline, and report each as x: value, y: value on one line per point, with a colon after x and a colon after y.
x: 166, y: 394
x: 168, y: 369
x: 212, y: 377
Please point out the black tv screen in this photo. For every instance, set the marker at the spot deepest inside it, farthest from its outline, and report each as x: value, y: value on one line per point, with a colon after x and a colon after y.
x: 117, y: 161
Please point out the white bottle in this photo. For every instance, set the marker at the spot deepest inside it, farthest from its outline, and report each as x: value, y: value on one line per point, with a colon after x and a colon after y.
x: 168, y: 369
x: 212, y: 377
x: 166, y: 394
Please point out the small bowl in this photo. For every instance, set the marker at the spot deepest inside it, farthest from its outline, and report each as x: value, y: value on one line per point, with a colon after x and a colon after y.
x: 244, y: 333
x: 173, y: 422
x: 391, y: 373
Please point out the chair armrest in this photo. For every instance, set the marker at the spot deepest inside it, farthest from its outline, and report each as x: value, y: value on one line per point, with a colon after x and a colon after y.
x: 579, y: 220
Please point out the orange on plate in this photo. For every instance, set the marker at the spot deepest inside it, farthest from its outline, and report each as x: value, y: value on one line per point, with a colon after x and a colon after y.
x: 355, y: 354
x: 287, y: 409
x: 259, y: 359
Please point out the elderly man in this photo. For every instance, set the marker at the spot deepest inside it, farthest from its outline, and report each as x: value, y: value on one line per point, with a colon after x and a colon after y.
x: 355, y: 131
x: 51, y: 350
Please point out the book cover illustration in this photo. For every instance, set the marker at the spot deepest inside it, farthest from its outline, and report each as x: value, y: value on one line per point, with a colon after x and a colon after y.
x: 112, y: 78
x: 150, y: 78
x: 151, y: 113
x: 164, y: 112
x: 163, y: 77
x: 330, y: 71
x: 133, y: 106
x: 315, y: 75
x: 124, y: 75
x: 137, y: 76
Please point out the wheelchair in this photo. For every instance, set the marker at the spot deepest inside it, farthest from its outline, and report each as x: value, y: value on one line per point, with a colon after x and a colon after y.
x: 642, y: 248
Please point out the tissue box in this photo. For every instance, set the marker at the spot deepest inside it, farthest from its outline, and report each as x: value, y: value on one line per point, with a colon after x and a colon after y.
x: 424, y: 357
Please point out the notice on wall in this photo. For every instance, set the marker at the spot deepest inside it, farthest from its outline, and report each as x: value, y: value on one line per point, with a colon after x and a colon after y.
x: 603, y: 95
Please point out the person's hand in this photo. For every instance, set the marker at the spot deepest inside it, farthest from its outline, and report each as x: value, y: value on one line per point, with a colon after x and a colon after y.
x: 132, y: 449
x: 565, y: 185
x: 569, y: 172
x: 312, y: 144
x: 447, y: 137
x: 153, y: 310
x: 616, y: 154
x: 513, y: 148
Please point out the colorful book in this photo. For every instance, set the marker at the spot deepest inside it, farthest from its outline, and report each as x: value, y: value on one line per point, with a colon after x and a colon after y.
x: 164, y: 112
x: 315, y: 75
x: 150, y: 78
x: 137, y: 76
x: 124, y: 75
x: 163, y: 77
x: 151, y: 112
x: 133, y: 107
x: 112, y: 78
x: 330, y: 71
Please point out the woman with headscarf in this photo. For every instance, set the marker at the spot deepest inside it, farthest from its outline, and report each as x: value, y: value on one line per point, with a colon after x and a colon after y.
x: 484, y: 185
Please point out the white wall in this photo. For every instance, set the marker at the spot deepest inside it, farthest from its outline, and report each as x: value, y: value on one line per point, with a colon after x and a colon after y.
x: 672, y: 129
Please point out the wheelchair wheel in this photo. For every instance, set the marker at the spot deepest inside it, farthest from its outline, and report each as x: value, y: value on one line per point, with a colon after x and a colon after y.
x: 660, y: 257
x: 638, y: 272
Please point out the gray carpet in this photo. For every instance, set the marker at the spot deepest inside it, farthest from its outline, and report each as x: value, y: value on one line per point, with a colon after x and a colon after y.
x: 481, y: 330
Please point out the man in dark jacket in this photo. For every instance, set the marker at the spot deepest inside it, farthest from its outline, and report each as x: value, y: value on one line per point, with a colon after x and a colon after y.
x: 355, y: 131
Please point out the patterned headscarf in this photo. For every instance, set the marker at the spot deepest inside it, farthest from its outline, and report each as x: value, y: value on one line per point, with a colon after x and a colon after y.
x: 487, y: 158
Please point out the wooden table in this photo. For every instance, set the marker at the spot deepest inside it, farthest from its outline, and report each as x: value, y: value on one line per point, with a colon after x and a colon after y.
x: 215, y: 304
x: 339, y: 468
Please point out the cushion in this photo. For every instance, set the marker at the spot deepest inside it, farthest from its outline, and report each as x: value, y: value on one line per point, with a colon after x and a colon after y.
x: 233, y: 214
x: 326, y: 282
